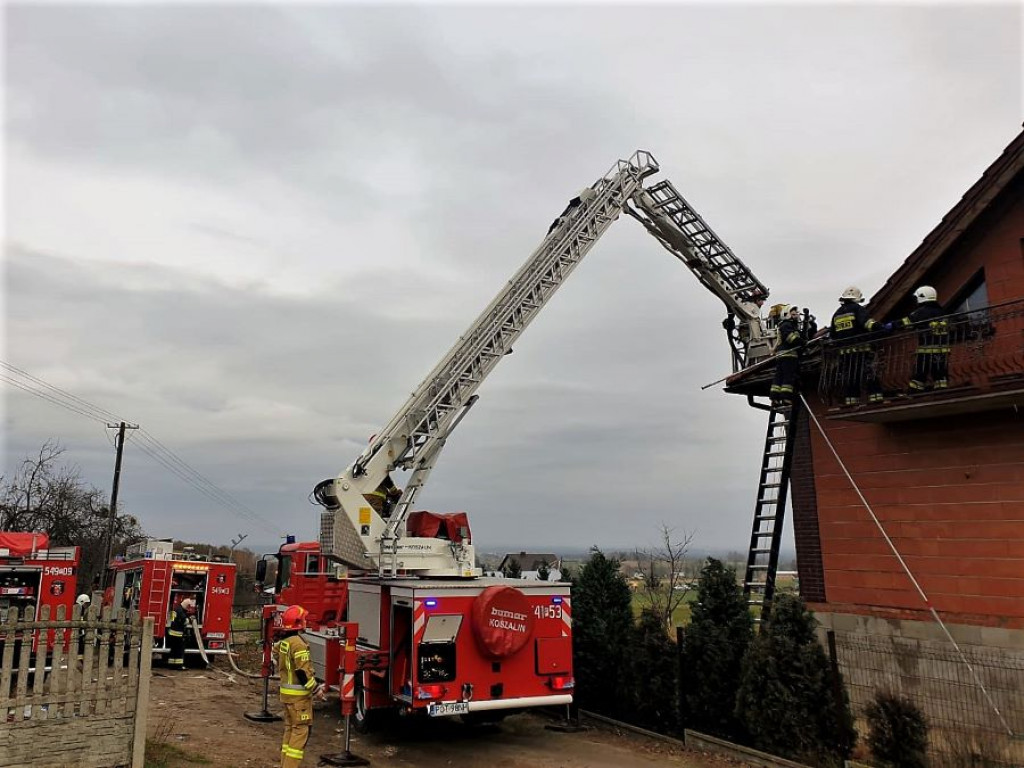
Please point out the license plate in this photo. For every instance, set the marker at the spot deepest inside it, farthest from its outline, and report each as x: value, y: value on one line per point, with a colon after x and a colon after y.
x: 448, y: 708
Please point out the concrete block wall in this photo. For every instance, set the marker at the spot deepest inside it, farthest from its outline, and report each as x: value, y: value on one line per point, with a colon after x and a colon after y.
x: 93, y: 741
x: 915, y: 659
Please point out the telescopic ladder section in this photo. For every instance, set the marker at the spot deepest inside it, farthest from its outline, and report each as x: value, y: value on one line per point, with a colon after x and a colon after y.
x: 413, y: 438
x: 681, y: 230
x: 770, y: 510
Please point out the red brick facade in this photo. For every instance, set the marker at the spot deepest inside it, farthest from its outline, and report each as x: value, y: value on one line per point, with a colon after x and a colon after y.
x: 949, y: 493
x: 949, y: 489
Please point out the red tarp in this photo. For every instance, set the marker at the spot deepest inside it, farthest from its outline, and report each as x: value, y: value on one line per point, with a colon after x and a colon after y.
x: 21, y: 545
x: 453, y: 526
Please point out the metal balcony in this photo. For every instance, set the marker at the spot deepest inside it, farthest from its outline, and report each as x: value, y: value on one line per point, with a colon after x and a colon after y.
x: 985, y: 369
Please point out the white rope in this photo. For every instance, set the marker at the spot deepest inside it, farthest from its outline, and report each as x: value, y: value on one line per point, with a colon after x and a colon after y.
x: 906, y: 568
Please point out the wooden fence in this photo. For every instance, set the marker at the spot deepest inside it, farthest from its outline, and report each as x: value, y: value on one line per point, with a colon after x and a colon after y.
x: 89, y: 674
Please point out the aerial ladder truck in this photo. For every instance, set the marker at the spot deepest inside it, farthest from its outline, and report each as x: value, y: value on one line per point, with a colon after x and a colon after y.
x: 401, y: 588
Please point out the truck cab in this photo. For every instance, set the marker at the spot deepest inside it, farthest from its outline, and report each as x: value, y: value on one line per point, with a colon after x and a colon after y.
x: 307, y: 577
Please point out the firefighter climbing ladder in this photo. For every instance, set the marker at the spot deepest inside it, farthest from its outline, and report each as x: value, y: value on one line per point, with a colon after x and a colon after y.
x: 770, y: 509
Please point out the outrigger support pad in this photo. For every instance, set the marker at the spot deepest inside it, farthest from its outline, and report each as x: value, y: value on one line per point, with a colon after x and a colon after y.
x: 264, y: 715
x: 346, y: 757
x: 571, y: 724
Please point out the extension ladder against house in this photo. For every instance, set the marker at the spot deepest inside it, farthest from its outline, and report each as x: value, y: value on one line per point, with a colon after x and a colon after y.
x: 770, y: 509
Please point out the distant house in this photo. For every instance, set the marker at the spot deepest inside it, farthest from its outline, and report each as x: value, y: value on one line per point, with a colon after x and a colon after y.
x: 530, y: 564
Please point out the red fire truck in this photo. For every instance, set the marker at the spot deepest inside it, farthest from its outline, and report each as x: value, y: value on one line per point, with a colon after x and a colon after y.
x: 33, y: 574
x: 152, y: 578
x: 478, y: 647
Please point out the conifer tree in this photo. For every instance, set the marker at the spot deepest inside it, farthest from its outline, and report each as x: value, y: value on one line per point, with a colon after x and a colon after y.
x: 786, y: 698
x: 602, y: 637
x: 716, y: 639
x: 655, y: 675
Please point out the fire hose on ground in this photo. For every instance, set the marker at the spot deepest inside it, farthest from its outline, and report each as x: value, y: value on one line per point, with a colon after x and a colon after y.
x: 229, y: 653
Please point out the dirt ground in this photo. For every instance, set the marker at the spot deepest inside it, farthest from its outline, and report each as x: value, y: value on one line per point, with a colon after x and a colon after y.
x: 196, y: 718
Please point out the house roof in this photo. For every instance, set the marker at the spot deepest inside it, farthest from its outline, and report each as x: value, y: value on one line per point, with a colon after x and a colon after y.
x: 997, y: 177
x: 531, y: 561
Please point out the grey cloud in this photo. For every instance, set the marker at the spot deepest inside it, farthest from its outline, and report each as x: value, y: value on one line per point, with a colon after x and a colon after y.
x: 819, y: 159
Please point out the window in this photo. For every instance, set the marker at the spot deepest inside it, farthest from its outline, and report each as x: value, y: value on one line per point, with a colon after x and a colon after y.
x: 972, y: 297
x: 312, y: 565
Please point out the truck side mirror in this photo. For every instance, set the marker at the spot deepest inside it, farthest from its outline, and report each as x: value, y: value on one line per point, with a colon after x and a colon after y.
x: 261, y: 571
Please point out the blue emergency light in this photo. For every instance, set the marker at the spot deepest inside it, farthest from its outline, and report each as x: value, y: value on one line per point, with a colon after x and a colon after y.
x: 557, y: 600
x: 430, y: 602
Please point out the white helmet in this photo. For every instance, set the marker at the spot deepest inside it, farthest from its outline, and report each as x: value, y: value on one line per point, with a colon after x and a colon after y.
x: 853, y: 293
x: 83, y: 599
x: 925, y: 293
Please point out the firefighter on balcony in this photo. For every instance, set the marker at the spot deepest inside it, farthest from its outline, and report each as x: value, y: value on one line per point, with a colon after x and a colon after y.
x: 848, y: 330
x: 176, y: 633
x: 298, y: 685
x: 932, y: 355
x: 787, y: 354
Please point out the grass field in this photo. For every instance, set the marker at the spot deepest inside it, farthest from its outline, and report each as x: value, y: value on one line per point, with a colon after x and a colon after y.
x: 245, y: 624
x: 680, y: 616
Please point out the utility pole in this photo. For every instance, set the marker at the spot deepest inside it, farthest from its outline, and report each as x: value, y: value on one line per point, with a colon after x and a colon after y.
x: 119, y: 444
x: 235, y: 543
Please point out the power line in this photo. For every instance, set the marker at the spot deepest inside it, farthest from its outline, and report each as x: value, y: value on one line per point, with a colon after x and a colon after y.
x: 101, y: 412
x: 149, y: 445
x: 49, y: 398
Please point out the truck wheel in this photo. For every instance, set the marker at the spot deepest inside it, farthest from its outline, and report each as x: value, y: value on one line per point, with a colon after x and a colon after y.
x: 364, y: 719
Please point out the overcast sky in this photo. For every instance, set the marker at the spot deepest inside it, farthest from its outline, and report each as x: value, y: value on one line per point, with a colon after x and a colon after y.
x: 254, y: 229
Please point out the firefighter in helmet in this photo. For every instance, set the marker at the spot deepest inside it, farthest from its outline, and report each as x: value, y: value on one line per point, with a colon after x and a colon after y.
x: 849, y: 330
x: 787, y: 354
x: 932, y: 355
x: 176, y: 633
x: 298, y: 685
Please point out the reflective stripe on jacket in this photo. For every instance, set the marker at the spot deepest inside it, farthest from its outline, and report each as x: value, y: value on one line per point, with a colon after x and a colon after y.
x: 295, y: 667
x: 933, y: 328
x: 848, y: 322
x: 790, y: 340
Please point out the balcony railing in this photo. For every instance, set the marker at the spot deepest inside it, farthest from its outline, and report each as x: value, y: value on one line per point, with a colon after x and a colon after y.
x: 986, y: 357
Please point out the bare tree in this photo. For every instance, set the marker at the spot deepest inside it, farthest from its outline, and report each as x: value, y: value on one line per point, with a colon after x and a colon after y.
x: 45, y: 496
x: 667, y: 576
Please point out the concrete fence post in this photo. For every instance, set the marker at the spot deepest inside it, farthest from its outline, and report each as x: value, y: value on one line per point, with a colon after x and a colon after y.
x: 142, y: 696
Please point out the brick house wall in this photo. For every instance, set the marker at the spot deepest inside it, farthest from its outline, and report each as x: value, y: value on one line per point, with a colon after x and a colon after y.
x: 950, y: 494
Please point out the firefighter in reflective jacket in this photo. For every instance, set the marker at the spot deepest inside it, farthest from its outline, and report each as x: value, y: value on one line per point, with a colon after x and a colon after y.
x: 787, y: 351
x: 384, y: 498
x: 298, y: 685
x: 850, y: 325
x: 932, y: 354
x: 176, y: 633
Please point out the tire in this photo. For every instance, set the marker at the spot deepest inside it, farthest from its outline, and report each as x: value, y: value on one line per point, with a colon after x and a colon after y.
x: 363, y: 720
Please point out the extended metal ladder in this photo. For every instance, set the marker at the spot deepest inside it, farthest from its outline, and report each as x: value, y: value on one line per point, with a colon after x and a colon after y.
x: 683, y: 232
x: 770, y: 509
